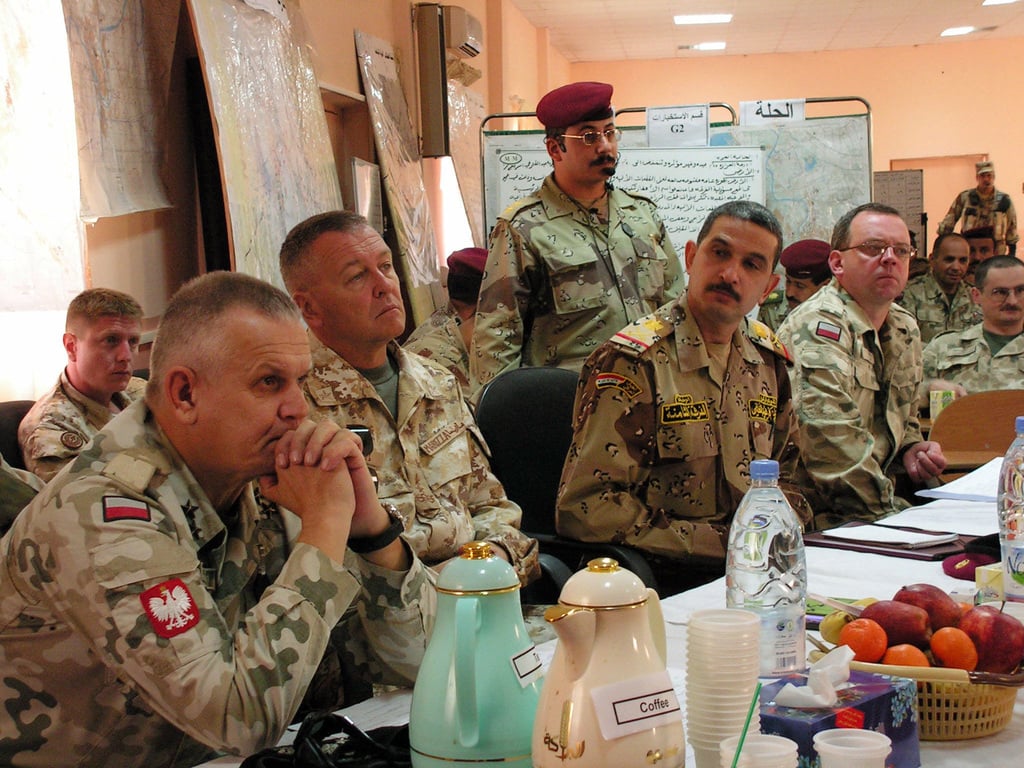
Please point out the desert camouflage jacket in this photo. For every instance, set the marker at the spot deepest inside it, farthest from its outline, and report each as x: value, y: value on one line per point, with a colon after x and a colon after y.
x: 439, y: 339
x: 995, y: 211
x: 934, y: 311
x: 965, y: 358
x: 430, y: 459
x: 855, y: 392
x: 661, y: 447
x: 558, y: 282
x: 61, y: 423
x: 140, y: 628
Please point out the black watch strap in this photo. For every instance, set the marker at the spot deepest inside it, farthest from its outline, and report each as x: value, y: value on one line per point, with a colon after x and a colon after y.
x: 361, y: 546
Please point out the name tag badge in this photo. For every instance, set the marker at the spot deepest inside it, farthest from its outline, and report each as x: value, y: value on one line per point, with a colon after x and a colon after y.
x: 442, y: 437
x: 683, y: 409
x: 763, y: 408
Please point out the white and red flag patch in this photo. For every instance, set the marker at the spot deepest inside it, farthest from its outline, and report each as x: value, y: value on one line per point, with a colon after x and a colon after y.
x: 170, y: 608
x: 829, y: 330
x: 123, y: 508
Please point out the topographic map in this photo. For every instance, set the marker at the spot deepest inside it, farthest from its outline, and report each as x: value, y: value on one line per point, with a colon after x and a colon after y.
x: 815, y: 170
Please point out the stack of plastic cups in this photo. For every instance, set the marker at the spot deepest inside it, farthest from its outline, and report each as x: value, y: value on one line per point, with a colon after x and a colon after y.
x: 850, y: 748
x: 722, y: 666
x: 760, y: 751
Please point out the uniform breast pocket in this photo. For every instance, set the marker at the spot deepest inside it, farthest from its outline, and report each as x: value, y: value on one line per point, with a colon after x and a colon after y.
x: 864, y: 374
x: 445, y: 454
x: 577, y: 282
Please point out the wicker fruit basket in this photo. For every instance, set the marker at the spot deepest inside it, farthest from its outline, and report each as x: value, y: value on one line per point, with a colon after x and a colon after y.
x: 955, y: 704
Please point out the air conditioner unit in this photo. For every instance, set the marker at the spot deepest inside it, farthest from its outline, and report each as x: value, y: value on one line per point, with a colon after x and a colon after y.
x: 462, y: 31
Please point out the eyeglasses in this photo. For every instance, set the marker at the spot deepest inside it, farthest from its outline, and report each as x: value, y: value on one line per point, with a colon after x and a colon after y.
x: 875, y: 248
x: 1004, y: 293
x: 590, y: 138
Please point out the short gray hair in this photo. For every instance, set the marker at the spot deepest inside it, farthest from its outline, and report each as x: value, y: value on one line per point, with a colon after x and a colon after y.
x: 295, y: 248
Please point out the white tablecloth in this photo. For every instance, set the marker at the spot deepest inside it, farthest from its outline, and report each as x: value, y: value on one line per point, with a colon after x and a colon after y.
x: 831, y: 572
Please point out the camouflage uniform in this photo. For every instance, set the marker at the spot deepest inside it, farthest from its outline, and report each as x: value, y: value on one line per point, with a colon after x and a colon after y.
x: 995, y: 211
x: 139, y: 627
x: 934, y: 311
x: 17, y: 487
x: 62, y: 421
x: 558, y: 282
x: 430, y: 460
x: 774, y: 310
x: 439, y: 339
x: 964, y: 357
x: 855, y: 392
x: 661, y: 449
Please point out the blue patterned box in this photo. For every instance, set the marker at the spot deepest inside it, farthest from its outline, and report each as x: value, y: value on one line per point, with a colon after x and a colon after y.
x: 868, y: 701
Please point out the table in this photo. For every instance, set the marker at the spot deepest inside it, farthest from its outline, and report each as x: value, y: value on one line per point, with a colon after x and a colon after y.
x: 832, y: 572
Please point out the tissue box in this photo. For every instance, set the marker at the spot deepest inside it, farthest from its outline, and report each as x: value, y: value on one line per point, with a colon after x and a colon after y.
x: 989, y: 581
x: 867, y: 702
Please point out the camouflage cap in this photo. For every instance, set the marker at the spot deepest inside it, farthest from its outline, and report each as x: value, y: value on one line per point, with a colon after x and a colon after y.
x: 575, y: 103
x: 984, y: 166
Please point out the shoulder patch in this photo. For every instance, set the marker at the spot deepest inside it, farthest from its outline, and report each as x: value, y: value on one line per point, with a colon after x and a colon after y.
x: 828, y: 330
x: 72, y: 440
x: 626, y: 385
x: 135, y: 473
x: 642, y: 334
x: 765, y: 337
x: 123, y: 508
x: 170, y: 608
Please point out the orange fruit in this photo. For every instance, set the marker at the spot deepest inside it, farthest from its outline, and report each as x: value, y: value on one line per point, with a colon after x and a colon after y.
x: 906, y: 655
x: 866, y: 639
x: 953, y: 647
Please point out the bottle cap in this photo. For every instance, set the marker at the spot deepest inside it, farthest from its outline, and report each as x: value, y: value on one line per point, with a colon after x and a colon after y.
x: 764, y: 469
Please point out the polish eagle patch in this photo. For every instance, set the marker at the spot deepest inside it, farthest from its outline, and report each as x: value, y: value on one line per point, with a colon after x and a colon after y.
x: 170, y: 608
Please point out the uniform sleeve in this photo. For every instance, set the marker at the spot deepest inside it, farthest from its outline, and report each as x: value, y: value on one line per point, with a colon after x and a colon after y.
x: 952, y: 216
x: 675, y: 277
x: 503, y: 309
x: 835, y: 442
x: 139, y: 598
x: 44, y: 453
x: 602, y: 494
x: 1012, y: 236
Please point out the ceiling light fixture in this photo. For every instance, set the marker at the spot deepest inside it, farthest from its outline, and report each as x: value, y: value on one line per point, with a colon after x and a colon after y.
x: 718, y: 46
x: 998, y: 2
x: 703, y: 18
x: 956, y: 31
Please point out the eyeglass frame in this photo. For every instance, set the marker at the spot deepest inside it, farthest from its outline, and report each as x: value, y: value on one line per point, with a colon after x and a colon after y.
x: 882, y: 248
x: 611, y: 135
x: 1002, y: 294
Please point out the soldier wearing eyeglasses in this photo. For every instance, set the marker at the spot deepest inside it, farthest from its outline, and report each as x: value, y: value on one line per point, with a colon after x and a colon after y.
x: 576, y: 261
x: 988, y: 355
x: 857, y: 374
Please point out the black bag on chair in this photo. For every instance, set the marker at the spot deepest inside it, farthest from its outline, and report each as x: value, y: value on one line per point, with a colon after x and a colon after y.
x: 385, y: 747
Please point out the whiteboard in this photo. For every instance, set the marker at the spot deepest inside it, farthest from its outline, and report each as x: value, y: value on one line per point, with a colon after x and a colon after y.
x: 686, y: 183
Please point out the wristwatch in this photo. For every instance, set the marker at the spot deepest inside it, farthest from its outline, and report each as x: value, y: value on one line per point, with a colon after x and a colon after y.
x: 362, y: 546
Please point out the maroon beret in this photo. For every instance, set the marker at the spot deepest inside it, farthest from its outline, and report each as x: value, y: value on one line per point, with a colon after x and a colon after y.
x: 465, y: 272
x: 807, y: 259
x: 575, y: 103
x: 963, y: 566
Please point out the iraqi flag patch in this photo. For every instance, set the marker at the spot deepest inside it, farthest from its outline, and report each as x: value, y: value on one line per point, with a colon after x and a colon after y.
x: 122, y: 508
x: 828, y: 330
x: 170, y: 608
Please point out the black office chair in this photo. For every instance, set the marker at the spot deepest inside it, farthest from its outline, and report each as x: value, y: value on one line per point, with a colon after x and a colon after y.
x: 525, y: 415
x: 11, y: 414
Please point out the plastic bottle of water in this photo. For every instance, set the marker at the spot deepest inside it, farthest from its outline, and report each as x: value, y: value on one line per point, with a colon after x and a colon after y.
x: 766, y: 571
x: 1011, y: 515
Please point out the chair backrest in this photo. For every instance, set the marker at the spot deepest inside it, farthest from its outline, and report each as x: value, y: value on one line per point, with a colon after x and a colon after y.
x: 982, y: 421
x: 525, y: 415
x: 11, y: 414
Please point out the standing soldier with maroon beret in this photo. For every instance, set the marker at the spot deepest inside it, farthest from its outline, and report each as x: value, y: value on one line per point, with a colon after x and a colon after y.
x: 579, y: 259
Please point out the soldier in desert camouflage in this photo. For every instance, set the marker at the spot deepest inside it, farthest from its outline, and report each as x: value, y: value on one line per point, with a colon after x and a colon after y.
x: 939, y: 299
x: 427, y: 449
x: 571, y: 264
x: 101, y: 338
x: 674, y: 407
x: 151, y: 612
x: 857, y: 373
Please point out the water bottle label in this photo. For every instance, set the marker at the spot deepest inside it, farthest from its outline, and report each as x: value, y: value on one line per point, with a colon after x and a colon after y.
x: 782, y: 643
x: 1013, y: 569
x: 637, y: 704
x: 527, y: 666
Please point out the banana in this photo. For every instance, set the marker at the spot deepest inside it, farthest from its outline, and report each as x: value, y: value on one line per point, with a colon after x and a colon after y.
x: 833, y: 624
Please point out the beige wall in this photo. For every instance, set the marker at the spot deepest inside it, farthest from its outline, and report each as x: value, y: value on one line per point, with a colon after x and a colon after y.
x: 957, y: 98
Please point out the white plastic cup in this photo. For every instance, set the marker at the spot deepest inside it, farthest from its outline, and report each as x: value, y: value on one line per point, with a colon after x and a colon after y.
x: 851, y: 748
x: 759, y: 751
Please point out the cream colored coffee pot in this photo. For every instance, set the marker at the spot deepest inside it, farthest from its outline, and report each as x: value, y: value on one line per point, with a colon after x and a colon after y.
x: 607, y: 699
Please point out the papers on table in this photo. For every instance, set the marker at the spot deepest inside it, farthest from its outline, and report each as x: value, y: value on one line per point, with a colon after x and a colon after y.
x: 980, y: 485
x: 971, y: 518
x: 893, y: 536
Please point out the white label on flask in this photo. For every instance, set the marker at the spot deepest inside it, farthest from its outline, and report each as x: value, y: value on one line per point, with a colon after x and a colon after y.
x: 637, y: 704
x: 527, y: 666
x: 1013, y: 570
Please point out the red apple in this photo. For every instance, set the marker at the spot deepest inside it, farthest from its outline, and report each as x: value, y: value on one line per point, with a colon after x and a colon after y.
x: 999, y: 638
x: 943, y: 610
x: 902, y: 622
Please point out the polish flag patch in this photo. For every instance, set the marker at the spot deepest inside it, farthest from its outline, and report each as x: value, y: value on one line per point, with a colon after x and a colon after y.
x: 828, y: 330
x: 123, y: 508
x: 170, y: 608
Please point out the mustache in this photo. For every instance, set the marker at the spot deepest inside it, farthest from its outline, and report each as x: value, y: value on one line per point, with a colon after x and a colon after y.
x: 606, y: 159
x: 724, y: 288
